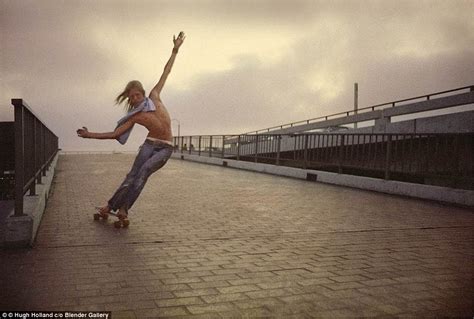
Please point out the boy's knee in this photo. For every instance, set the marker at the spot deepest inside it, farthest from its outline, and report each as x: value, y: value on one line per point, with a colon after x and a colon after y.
x: 141, y: 178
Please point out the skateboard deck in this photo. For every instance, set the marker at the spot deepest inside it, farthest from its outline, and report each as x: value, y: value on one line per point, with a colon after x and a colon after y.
x: 120, y: 223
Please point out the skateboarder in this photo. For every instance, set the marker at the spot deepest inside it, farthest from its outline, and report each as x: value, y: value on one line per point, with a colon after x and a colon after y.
x: 151, y: 113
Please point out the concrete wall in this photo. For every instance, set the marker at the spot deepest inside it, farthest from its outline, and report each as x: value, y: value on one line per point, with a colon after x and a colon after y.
x: 21, y: 231
x: 462, y: 122
x: 450, y: 123
x: 443, y: 124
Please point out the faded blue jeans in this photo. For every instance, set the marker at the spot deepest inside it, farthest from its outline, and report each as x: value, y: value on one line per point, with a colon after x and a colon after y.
x: 151, y: 157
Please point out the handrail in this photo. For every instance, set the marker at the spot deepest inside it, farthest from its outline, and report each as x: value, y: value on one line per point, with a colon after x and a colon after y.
x: 372, y: 108
x: 187, y: 137
x: 415, y: 157
x: 35, y: 147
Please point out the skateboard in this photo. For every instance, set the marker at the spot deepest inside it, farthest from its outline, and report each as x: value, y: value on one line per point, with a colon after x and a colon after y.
x: 121, y: 222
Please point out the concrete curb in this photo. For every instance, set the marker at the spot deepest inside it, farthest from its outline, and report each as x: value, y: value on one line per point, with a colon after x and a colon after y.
x: 436, y: 193
x: 21, y: 231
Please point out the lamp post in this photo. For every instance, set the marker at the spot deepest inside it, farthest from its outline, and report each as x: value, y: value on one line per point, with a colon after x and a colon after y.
x: 179, y: 127
x: 356, y: 100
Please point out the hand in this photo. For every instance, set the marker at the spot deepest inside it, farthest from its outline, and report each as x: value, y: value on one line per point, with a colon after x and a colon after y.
x: 83, y: 132
x: 178, y: 41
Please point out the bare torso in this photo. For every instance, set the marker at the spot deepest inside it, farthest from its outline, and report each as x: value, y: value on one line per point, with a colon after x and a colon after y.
x: 158, y: 123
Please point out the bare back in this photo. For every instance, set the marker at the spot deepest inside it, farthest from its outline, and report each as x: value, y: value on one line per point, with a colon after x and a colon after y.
x: 158, y: 123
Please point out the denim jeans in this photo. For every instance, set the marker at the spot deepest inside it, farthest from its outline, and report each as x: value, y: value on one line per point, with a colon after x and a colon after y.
x: 151, y: 157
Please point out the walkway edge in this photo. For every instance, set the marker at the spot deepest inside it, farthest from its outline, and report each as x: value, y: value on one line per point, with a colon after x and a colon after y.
x: 436, y: 193
x: 21, y: 231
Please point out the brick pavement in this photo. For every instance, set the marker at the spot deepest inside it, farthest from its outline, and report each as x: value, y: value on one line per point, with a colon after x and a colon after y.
x: 212, y: 242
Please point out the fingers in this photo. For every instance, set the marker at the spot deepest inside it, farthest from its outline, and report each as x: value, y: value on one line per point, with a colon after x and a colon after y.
x: 180, y: 37
x: 80, y: 132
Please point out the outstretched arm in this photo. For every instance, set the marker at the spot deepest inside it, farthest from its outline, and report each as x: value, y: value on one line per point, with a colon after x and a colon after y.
x: 156, y: 91
x: 84, y: 132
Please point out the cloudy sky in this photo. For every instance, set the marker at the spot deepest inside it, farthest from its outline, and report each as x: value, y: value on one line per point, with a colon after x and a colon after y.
x: 245, y: 64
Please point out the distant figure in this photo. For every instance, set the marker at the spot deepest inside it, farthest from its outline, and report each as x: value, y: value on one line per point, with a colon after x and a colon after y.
x: 185, y: 147
x: 151, y: 113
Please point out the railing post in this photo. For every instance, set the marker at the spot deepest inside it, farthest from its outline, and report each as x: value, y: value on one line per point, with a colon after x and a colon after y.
x: 33, y: 185
x: 238, y: 148
x: 19, y: 156
x: 190, y: 143
x: 38, y: 151
x: 223, y: 144
x: 388, y: 157
x: 256, y: 148
x: 278, y: 149
x: 210, y: 147
x: 305, y: 154
x: 199, y: 145
x: 43, y: 136
x: 341, y: 153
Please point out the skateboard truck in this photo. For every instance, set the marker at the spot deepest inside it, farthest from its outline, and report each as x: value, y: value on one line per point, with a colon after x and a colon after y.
x: 121, y: 222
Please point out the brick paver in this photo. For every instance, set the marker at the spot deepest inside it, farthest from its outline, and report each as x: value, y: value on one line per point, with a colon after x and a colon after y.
x: 213, y: 242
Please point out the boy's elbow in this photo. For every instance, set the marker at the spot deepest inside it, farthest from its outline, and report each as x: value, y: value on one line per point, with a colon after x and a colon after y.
x: 114, y: 135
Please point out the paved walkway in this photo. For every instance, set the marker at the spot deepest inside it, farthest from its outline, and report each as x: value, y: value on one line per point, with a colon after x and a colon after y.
x: 212, y: 242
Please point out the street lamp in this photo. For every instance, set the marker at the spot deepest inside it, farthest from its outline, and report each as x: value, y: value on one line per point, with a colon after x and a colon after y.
x: 179, y: 127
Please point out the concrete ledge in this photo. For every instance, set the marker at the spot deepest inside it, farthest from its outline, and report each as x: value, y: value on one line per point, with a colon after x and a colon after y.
x: 21, y: 231
x: 436, y: 193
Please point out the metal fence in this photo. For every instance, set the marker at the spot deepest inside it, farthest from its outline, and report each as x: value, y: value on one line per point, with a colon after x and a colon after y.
x: 7, y: 160
x: 35, y: 146
x: 436, y: 159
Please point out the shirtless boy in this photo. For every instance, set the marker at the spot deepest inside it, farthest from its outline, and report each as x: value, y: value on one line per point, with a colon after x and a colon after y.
x: 157, y: 148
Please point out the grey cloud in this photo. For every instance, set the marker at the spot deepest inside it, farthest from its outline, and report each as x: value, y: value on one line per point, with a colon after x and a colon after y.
x: 254, y: 96
x: 47, y: 60
x: 46, y: 56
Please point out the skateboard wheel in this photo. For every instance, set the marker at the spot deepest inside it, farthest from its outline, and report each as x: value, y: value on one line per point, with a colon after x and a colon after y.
x: 126, y: 223
x: 118, y: 224
x: 96, y: 216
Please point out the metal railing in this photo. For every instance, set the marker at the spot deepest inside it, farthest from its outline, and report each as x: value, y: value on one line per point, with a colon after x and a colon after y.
x: 7, y: 160
x: 364, y: 109
x: 436, y: 159
x: 35, y: 147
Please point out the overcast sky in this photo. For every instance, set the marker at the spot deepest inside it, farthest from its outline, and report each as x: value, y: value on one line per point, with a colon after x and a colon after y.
x: 245, y: 64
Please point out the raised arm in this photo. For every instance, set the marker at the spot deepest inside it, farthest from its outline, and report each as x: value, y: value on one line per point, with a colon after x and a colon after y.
x: 156, y: 91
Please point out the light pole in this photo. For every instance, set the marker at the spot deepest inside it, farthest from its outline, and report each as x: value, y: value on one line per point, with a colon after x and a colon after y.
x: 356, y: 100
x: 179, y: 127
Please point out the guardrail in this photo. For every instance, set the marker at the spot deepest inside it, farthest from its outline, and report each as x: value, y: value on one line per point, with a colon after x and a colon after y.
x: 372, y: 108
x: 7, y: 160
x: 35, y: 147
x: 436, y: 159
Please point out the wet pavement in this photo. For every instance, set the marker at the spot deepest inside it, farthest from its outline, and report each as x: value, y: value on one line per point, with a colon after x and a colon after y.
x: 213, y: 242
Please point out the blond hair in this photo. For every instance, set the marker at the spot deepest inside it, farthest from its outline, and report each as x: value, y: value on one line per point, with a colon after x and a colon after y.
x: 124, y: 95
